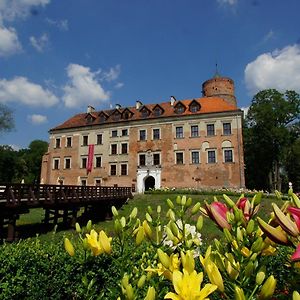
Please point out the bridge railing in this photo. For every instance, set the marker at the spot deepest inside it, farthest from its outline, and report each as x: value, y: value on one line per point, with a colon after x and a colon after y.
x: 15, y: 194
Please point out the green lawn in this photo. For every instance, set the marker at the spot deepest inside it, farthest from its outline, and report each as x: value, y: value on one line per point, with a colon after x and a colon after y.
x: 30, y: 224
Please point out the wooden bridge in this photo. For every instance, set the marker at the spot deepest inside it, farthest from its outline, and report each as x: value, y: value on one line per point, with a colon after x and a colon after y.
x: 58, y: 201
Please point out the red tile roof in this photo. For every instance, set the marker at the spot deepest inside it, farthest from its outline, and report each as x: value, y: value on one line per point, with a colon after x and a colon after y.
x: 208, y: 105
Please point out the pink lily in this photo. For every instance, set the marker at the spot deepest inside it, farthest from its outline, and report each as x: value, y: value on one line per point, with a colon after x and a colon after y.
x: 242, y: 203
x: 217, y: 212
x: 296, y: 255
x: 295, y: 212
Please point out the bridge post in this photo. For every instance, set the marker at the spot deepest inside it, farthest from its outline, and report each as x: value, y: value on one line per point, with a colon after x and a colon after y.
x: 11, y: 229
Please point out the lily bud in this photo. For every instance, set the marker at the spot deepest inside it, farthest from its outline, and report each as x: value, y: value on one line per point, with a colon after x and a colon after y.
x: 164, y: 258
x: 174, y: 228
x: 228, y: 235
x: 129, y: 292
x: 148, y: 218
x: 89, y: 225
x: 239, y: 293
x: 140, y: 235
x: 147, y: 229
x: 195, y: 208
x: 78, y: 228
x: 114, y: 211
x: 229, y: 202
x: 250, y: 226
x: 249, y: 269
x: 178, y: 200
x: 123, y: 222
x: 141, y: 281
x: 189, y: 202
x: 170, y: 203
x: 183, y: 200
x: 69, y: 247
x: 260, y: 276
x: 158, y: 209
x: 133, y: 213
x: 268, y: 288
x: 149, y: 209
x: 199, y: 224
x: 150, y: 293
x: 296, y: 295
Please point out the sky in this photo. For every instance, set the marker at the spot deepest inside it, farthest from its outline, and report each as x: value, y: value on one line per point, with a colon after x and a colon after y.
x: 59, y: 56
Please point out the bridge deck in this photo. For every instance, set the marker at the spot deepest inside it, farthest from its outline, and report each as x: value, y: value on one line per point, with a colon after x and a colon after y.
x: 16, y: 199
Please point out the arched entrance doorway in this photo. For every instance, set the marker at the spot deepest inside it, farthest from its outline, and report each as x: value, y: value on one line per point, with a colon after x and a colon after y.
x: 149, y: 183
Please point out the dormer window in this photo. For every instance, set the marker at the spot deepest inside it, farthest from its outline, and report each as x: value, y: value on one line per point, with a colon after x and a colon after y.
x: 89, y: 118
x: 145, y: 112
x: 116, y: 115
x: 179, y: 108
x: 157, y: 111
x: 103, y: 117
x: 126, y: 114
x: 194, y: 106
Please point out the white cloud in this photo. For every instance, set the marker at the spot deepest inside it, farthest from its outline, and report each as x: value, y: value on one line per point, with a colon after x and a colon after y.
x: 9, y: 42
x: 83, y: 88
x: 39, y: 43
x: 270, y: 35
x: 10, y: 10
x: 37, y: 119
x: 228, y: 2
x: 245, y: 109
x: 13, y: 9
x: 21, y: 90
x: 62, y: 25
x: 119, y: 85
x: 279, y: 69
x: 112, y: 74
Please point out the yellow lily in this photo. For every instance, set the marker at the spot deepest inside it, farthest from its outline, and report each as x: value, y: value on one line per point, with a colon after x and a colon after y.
x: 69, y: 247
x: 188, y: 286
x: 99, y: 243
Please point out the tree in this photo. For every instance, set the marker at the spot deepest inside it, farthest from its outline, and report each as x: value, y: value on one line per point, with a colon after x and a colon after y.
x: 270, y: 129
x: 8, y: 162
x: 6, y: 118
x: 33, y: 158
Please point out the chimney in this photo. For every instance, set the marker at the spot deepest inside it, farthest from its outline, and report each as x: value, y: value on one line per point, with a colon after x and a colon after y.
x: 118, y: 106
x: 138, y: 104
x: 172, y: 100
x: 90, y: 109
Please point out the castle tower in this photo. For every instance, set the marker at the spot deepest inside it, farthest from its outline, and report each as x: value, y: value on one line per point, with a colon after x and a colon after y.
x: 219, y: 86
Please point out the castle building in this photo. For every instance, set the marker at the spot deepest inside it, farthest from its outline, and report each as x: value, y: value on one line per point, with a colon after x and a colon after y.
x: 190, y: 143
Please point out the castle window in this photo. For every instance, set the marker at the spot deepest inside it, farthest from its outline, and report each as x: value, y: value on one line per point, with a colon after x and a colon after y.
x: 179, y: 132
x: 113, y: 149
x: 210, y: 129
x: 211, y: 156
x: 69, y: 142
x: 102, y: 118
x: 156, y: 159
x: 156, y: 134
x: 99, y: 139
x: 114, y: 133
x: 113, y: 170
x: 83, y: 162
x: 89, y: 119
x: 57, y: 143
x: 179, y: 158
x: 56, y: 163
x: 85, y: 140
x: 124, y: 132
x: 123, y: 169
x: 194, y: 131
x: 227, y: 128
x: 142, y: 160
x: 98, y: 163
x: 124, y: 148
x: 228, y: 155
x: 195, y: 157
x: 143, y: 135
x: 68, y: 163
x: 157, y: 111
